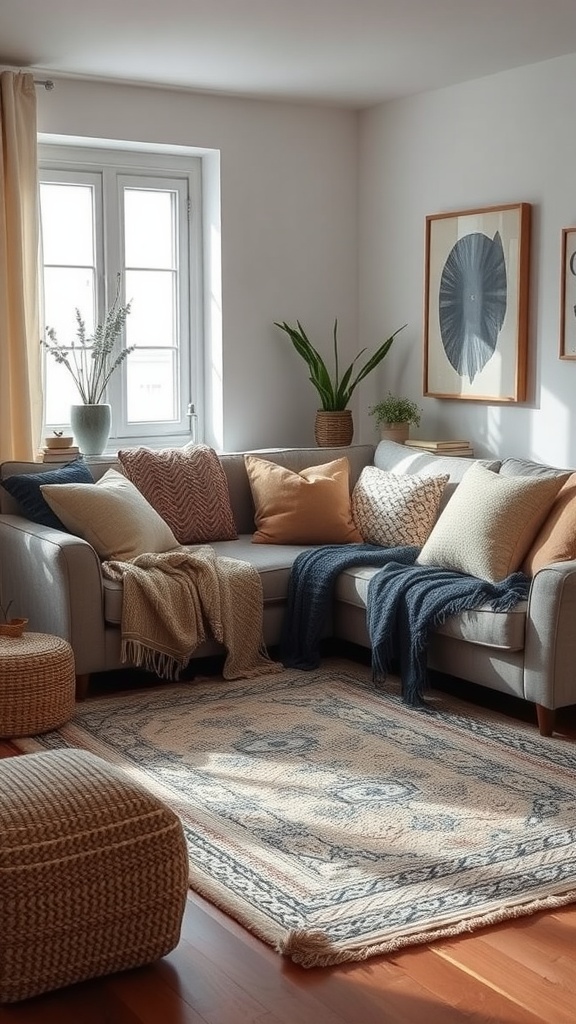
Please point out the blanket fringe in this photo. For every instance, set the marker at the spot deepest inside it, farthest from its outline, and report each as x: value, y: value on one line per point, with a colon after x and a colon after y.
x: 165, y: 666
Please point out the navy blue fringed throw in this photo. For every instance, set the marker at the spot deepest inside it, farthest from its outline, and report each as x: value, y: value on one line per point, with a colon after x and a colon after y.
x: 404, y: 603
x: 310, y: 592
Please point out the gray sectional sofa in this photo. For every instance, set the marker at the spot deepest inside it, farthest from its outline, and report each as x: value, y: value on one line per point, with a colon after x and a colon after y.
x: 55, y: 579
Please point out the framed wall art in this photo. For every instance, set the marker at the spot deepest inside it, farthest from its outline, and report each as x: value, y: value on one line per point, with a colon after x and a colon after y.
x: 476, y: 303
x: 568, y: 295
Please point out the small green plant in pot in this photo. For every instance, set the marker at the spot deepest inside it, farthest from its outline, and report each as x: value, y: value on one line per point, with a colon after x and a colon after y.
x: 334, y: 389
x: 10, y: 627
x: 395, y: 415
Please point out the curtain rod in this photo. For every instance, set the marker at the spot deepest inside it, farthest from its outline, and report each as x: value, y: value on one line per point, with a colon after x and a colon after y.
x: 46, y: 83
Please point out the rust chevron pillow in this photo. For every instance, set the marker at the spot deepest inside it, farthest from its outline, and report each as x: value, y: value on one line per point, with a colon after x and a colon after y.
x: 187, y: 487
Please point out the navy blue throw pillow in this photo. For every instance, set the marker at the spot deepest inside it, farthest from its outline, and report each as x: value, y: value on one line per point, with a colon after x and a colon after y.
x: 25, y: 488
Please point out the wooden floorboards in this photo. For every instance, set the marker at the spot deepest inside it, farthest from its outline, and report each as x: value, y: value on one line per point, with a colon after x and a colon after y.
x: 518, y: 972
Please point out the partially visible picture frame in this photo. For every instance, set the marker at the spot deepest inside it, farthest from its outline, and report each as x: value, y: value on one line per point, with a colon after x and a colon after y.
x: 568, y: 295
x: 477, y: 274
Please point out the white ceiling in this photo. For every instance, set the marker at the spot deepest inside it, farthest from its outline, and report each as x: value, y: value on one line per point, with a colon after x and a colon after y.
x: 347, y: 52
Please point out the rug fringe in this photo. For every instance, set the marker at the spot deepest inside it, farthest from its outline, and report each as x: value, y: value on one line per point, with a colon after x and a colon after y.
x: 310, y: 949
x: 314, y: 949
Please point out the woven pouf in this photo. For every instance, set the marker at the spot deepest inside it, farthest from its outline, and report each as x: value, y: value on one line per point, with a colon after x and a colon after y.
x: 37, y: 683
x: 93, y: 872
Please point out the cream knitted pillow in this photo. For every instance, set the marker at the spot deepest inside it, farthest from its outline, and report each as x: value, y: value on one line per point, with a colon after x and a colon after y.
x: 111, y: 515
x: 489, y: 524
x: 396, y: 509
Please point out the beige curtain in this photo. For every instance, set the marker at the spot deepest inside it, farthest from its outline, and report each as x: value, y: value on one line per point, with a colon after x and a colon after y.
x: 20, y: 352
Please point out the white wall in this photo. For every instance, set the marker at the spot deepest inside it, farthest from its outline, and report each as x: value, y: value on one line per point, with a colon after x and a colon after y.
x: 505, y: 139
x: 289, y: 243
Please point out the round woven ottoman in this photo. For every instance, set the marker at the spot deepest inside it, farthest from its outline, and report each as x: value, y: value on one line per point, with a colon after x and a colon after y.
x: 37, y: 683
x: 93, y: 872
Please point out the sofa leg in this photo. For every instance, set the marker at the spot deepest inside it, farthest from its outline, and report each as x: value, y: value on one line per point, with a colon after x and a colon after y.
x: 82, y: 683
x: 546, y: 720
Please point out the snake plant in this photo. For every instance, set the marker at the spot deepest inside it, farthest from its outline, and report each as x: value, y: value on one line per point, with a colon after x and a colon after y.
x: 335, y: 391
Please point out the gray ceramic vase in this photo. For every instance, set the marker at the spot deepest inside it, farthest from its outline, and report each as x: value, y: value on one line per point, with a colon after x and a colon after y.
x: 91, y: 427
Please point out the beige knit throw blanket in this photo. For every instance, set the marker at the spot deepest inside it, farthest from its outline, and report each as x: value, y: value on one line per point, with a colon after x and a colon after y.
x: 174, y: 601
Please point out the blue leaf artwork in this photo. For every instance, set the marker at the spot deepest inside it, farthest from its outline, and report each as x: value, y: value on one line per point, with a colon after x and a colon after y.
x: 472, y: 301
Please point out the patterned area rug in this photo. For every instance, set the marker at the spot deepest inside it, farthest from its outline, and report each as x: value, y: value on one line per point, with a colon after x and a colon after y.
x: 335, y: 822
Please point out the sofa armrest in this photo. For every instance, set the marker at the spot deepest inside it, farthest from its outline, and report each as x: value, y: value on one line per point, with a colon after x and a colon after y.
x: 550, y: 641
x: 55, y: 580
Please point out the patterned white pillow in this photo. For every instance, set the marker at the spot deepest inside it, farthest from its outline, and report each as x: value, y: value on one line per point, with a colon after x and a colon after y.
x: 394, y: 509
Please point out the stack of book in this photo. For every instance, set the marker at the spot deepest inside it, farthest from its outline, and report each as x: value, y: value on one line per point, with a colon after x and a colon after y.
x: 67, y: 454
x: 442, y: 447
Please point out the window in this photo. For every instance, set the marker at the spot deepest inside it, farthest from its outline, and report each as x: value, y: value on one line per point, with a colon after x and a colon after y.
x: 106, y: 213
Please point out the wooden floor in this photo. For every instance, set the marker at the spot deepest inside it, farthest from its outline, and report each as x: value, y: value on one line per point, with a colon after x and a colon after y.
x: 520, y: 972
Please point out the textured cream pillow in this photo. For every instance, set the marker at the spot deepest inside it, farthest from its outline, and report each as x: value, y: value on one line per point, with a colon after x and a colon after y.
x: 396, y: 509
x: 310, y: 507
x: 111, y: 515
x: 489, y: 524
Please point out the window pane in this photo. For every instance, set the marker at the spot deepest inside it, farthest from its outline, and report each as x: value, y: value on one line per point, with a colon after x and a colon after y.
x: 60, y: 393
x: 151, y: 386
x: 149, y: 228
x: 152, y: 319
x: 66, y: 288
x: 67, y: 228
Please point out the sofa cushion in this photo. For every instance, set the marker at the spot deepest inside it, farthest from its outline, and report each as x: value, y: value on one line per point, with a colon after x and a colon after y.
x: 526, y: 467
x: 273, y: 562
x: 481, y: 626
x: 556, y: 538
x: 111, y: 515
x: 391, y: 509
x: 489, y: 523
x: 401, y: 459
x: 187, y: 487
x: 309, y: 507
x: 26, y: 489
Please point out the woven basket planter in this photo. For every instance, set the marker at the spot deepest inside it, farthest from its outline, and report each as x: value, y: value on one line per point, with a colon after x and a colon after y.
x: 333, y: 429
x: 398, y: 432
x: 14, y: 627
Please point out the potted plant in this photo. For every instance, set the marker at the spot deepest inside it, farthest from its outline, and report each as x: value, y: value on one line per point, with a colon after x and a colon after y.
x: 395, y: 415
x: 91, y: 361
x: 11, y: 627
x: 334, y: 426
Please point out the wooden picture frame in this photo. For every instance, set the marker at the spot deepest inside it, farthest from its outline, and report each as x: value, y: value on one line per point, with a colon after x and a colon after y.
x: 476, y: 303
x: 568, y: 295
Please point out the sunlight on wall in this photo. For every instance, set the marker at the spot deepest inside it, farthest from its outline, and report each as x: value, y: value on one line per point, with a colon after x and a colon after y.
x: 214, y: 362
x: 213, y: 412
x: 554, y: 440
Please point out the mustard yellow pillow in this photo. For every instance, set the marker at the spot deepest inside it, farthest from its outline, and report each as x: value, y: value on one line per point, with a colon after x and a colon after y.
x: 310, y: 507
x: 556, y: 538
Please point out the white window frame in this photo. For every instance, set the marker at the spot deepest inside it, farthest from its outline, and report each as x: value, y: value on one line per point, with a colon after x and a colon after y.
x: 108, y: 170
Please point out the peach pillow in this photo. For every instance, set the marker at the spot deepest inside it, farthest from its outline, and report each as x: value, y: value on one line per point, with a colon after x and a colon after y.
x: 556, y: 539
x: 310, y: 507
